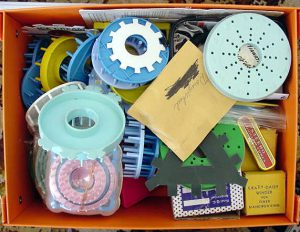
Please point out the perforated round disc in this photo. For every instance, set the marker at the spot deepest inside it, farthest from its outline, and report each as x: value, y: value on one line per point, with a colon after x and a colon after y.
x: 247, y: 56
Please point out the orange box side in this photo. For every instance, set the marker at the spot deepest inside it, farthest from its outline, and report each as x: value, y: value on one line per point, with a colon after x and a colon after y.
x: 153, y: 213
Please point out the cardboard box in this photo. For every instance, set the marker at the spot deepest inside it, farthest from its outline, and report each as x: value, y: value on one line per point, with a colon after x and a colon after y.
x: 265, y: 193
x: 22, y: 207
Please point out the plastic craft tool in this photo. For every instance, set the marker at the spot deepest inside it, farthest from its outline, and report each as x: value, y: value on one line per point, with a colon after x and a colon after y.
x: 140, y: 147
x: 80, y: 64
x: 31, y: 86
x: 34, y: 110
x: 122, y: 66
x: 34, y: 52
x: 243, y: 58
x: 55, y: 57
x: 87, y: 187
x: 93, y: 121
x: 256, y: 142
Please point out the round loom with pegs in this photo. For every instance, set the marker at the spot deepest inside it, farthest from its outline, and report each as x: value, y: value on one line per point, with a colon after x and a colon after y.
x: 247, y: 56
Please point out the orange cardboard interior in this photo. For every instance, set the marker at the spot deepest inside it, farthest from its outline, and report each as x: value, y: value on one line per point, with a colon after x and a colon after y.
x: 22, y: 207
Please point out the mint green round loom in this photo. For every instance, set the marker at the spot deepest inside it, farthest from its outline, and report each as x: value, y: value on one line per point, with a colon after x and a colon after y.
x: 234, y: 146
x: 81, y: 124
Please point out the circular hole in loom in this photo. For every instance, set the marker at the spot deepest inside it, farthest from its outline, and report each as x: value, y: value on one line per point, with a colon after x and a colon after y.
x: 257, y: 42
x: 280, y: 77
x: 248, y: 94
x: 237, y: 31
x: 81, y: 119
x: 82, y: 179
x: 227, y: 40
x: 250, y: 28
x: 267, y: 90
x: 136, y: 45
x: 229, y: 87
x: 249, y: 55
x: 239, y: 147
x: 212, y: 53
x: 261, y: 80
x: 264, y: 33
x: 233, y: 129
x: 223, y: 53
x: 248, y: 82
x: 235, y: 78
x: 192, y: 162
x: 218, y: 33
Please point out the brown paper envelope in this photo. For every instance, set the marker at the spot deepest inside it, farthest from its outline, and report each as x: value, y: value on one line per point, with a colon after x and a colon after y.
x: 181, y: 106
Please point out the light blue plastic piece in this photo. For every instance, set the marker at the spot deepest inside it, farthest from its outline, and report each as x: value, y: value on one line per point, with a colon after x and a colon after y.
x: 268, y: 58
x: 105, y: 76
x: 78, y: 68
x: 34, y: 52
x: 113, y: 67
x: 140, y: 147
x: 95, y: 80
x: 81, y: 125
x: 30, y: 87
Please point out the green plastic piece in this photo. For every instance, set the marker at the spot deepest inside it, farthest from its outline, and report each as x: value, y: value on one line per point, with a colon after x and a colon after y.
x: 235, y: 145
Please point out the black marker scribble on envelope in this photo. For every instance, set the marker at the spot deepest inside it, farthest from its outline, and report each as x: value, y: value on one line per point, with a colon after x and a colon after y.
x: 183, y: 81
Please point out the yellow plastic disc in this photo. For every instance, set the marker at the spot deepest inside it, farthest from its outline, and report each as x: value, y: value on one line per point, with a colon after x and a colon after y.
x: 130, y: 95
x: 52, y: 60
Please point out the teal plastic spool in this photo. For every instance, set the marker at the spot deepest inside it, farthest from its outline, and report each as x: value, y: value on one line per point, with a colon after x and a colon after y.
x: 247, y: 56
x: 81, y: 124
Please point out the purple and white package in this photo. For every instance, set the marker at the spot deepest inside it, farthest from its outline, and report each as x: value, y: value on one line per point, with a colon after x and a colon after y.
x: 186, y: 205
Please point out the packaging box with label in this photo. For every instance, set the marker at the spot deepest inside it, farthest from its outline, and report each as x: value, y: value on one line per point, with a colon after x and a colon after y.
x: 265, y: 193
x: 186, y: 205
x: 22, y: 207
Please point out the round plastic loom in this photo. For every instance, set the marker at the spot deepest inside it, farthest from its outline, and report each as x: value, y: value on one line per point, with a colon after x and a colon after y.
x: 89, y: 187
x: 247, y: 56
x: 120, y: 63
x: 54, y: 58
x: 91, y: 120
x: 80, y: 64
x: 140, y: 147
x: 31, y: 88
x: 34, y: 110
x: 235, y: 145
